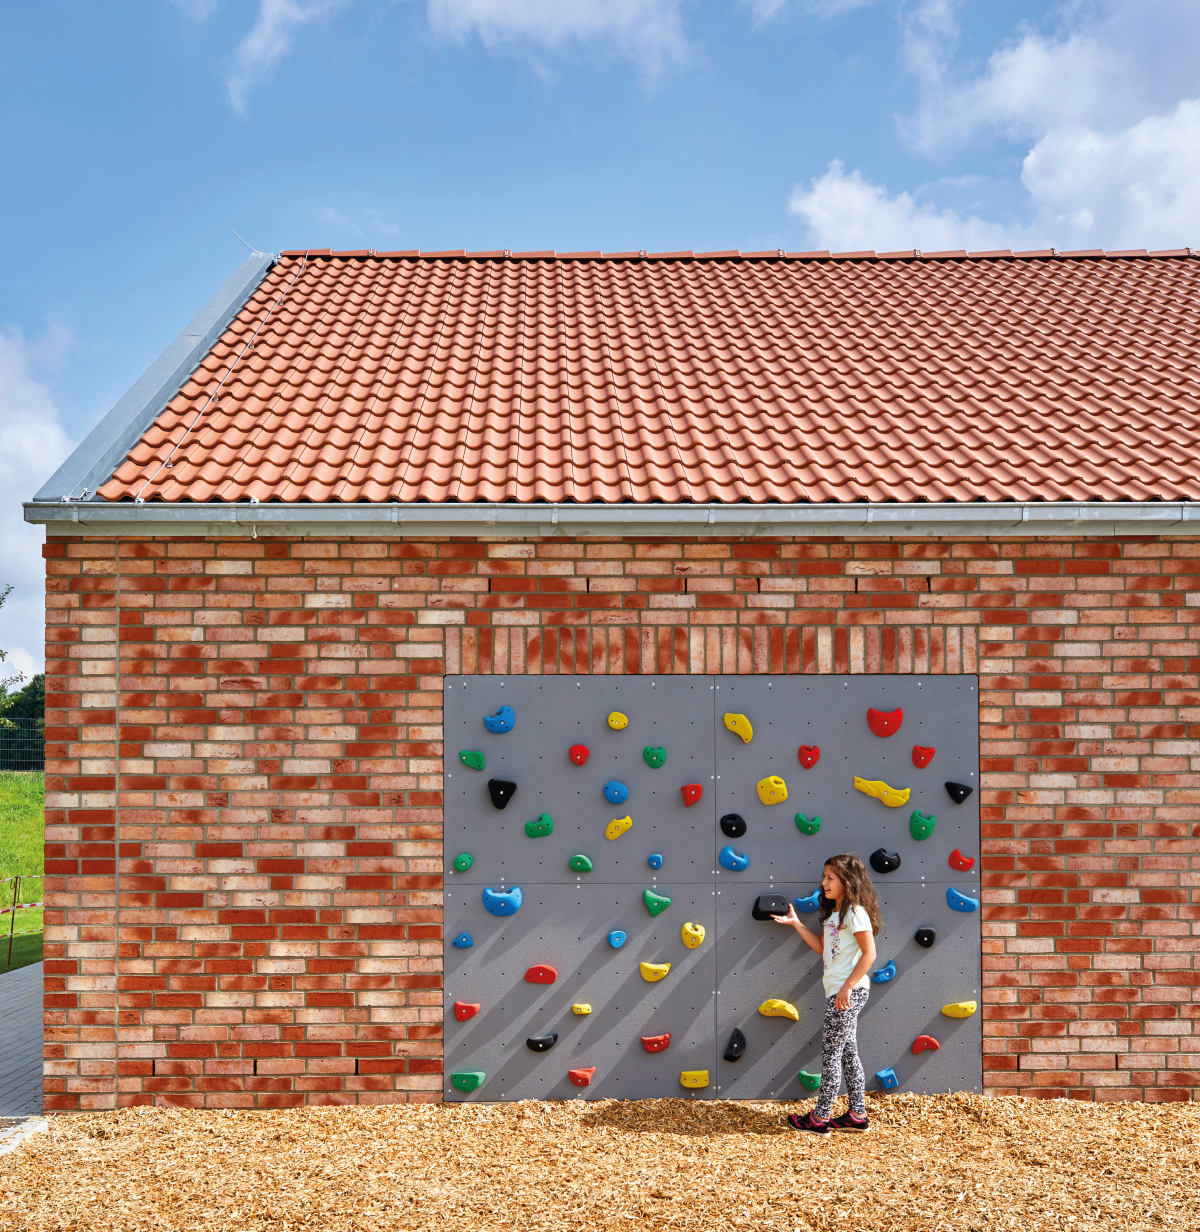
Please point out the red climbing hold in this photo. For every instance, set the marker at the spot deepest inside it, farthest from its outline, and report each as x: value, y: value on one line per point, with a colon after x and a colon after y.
x: 922, y: 756
x: 964, y: 864
x: 578, y: 753
x: 656, y: 1043
x: 691, y: 793
x: 541, y: 974
x: 885, y: 722
x: 922, y: 1042
x: 581, y: 1077
x: 465, y: 1009
x: 809, y: 755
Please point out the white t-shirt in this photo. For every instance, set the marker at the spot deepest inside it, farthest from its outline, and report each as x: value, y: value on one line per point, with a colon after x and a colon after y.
x: 842, y: 950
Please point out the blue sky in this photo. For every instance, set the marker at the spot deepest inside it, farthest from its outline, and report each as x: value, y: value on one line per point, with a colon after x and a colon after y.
x: 136, y: 135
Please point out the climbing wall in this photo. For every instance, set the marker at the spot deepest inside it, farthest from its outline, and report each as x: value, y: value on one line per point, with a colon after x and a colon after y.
x: 580, y: 891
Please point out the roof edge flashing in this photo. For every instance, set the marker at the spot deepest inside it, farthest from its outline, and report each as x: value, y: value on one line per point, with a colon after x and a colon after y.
x: 98, y: 455
x: 1001, y: 518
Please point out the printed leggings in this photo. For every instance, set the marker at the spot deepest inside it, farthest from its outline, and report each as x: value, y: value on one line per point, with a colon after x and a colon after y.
x: 839, y: 1057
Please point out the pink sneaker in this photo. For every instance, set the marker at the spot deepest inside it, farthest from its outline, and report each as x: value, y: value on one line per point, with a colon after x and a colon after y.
x: 851, y: 1122
x: 808, y: 1123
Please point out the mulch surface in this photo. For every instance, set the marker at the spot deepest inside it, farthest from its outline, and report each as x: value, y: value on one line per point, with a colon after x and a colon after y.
x: 929, y: 1162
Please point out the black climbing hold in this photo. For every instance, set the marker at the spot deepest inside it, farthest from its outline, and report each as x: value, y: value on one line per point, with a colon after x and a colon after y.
x: 925, y: 937
x: 883, y: 861
x: 736, y: 1045
x: 767, y: 905
x: 501, y: 791
x: 958, y: 791
x: 733, y: 825
x: 542, y: 1043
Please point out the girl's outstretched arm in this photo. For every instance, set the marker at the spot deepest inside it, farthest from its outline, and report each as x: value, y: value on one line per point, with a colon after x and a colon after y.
x: 811, y: 939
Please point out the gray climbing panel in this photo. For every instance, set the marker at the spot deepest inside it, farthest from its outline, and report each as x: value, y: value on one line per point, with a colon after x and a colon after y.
x: 565, y: 917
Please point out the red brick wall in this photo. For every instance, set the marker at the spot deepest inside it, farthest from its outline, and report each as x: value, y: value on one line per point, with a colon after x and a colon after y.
x: 271, y: 878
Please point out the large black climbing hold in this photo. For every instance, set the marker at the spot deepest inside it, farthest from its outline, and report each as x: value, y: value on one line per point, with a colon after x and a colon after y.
x: 736, y: 1045
x: 542, y: 1043
x: 884, y: 861
x: 733, y: 825
x: 925, y: 937
x: 501, y: 791
x: 958, y: 791
x: 767, y: 905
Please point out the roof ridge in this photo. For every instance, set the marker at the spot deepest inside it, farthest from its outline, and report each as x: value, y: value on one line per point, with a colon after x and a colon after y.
x: 732, y: 254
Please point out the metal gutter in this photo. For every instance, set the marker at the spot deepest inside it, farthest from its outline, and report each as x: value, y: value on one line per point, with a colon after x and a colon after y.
x: 1007, y: 518
x: 108, y: 443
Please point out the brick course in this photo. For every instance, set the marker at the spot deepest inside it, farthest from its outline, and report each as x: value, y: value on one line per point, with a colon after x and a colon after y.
x: 243, y: 827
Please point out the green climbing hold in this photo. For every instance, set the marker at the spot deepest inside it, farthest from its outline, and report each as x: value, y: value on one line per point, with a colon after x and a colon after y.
x: 807, y: 825
x: 654, y: 757
x: 920, y: 825
x: 810, y: 1081
x: 540, y: 828
x: 463, y: 862
x: 655, y: 903
x: 472, y: 758
x: 580, y: 864
x: 469, y: 1080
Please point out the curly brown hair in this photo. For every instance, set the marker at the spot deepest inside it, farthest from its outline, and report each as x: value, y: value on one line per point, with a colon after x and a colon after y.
x: 860, y: 892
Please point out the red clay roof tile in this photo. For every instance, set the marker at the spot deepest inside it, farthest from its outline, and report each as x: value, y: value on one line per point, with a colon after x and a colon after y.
x: 714, y: 378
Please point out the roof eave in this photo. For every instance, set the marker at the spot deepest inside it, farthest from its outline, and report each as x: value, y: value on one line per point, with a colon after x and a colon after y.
x: 995, y: 518
x: 104, y: 448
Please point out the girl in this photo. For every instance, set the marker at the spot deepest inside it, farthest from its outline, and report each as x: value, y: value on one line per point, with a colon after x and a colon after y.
x: 851, y: 918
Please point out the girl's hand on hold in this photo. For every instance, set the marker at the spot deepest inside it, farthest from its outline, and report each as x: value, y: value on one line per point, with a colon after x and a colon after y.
x: 790, y: 918
x: 842, y: 1000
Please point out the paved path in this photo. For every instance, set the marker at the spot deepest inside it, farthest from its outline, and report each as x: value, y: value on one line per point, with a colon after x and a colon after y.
x: 21, y: 1043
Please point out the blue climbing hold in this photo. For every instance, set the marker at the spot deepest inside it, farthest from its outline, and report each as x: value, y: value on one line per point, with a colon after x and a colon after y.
x: 615, y: 793
x: 502, y: 902
x: 885, y: 974
x: 960, y: 902
x: 806, y: 906
x: 616, y: 938
x: 504, y: 720
x: 887, y: 1079
x: 730, y: 859
x: 655, y: 861
x: 462, y: 941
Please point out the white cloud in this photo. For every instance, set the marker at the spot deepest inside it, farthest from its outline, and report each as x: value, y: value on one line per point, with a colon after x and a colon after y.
x: 649, y: 30
x: 269, y: 41
x: 1104, y: 109
x: 34, y: 445
x: 847, y: 213
x: 196, y: 10
x: 368, y: 222
x: 1138, y: 187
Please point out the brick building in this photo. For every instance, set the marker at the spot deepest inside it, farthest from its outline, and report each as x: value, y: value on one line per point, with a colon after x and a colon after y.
x: 356, y: 472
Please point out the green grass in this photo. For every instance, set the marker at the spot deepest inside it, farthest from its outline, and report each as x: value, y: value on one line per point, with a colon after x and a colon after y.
x: 25, y: 950
x: 22, y: 805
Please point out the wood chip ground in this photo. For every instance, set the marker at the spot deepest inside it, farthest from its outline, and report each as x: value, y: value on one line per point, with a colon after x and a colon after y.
x: 929, y: 1163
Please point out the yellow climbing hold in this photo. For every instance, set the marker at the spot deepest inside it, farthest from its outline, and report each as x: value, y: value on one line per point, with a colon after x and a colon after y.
x: 617, y: 826
x: 692, y: 934
x: 617, y: 720
x: 581, y: 1007
x: 772, y: 789
x: 740, y: 726
x: 960, y: 1009
x: 773, y: 1007
x: 654, y: 971
x: 694, y: 1078
x: 893, y: 797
